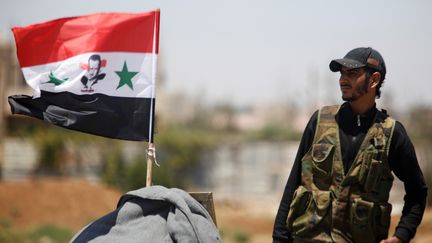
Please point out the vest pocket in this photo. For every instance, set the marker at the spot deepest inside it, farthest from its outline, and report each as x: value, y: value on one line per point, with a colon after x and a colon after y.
x: 383, y: 220
x: 298, y: 205
x: 369, y: 221
x: 309, y: 214
x: 370, y: 171
x: 361, y: 221
x: 374, y: 175
x: 321, y: 158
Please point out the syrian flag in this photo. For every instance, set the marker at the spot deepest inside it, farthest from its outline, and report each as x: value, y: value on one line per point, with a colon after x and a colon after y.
x: 94, y: 73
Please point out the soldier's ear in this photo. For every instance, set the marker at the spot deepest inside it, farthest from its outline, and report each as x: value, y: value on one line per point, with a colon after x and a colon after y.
x: 375, y: 79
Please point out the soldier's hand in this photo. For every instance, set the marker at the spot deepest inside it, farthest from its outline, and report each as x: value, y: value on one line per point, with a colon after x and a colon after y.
x: 392, y: 239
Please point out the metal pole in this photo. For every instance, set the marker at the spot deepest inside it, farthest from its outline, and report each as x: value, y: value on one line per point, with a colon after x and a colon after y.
x: 3, y: 63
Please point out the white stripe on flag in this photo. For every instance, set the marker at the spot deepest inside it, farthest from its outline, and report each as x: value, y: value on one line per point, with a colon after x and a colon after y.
x: 73, y: 69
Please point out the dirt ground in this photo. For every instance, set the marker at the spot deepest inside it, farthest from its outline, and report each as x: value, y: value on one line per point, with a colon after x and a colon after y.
x: 73, y: 203
x: 66, y: 202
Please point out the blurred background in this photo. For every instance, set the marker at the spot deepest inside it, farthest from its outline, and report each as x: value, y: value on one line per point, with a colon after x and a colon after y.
x: 237, y: 82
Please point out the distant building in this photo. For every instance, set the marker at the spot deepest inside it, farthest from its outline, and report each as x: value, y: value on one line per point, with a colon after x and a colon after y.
x: 11, y: 81
x: 250, y: 168
x: 11, y: 78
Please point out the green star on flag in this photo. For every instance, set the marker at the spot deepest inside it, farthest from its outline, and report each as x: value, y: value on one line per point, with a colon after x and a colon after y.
x: 54, y: 80
x: 125, y: 77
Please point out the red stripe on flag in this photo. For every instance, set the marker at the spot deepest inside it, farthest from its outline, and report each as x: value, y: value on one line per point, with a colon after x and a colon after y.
x: 60, y: 39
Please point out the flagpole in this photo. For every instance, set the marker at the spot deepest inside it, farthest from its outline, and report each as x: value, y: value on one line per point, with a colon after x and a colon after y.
x: 151, y: 151
x: 150, y: 156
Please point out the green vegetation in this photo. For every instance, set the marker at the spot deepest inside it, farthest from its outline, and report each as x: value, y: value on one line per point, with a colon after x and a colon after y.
x: 114, y: 169
x: 55, y: 233
x: 178, y: 150
x: 5, y: 223
x: 241, y: 236
x: 180, y: 147
x: 236, y: 235
x: 51, y: 142
x: 51, y: 148
x: 44, y: 233
x: 272, y: 132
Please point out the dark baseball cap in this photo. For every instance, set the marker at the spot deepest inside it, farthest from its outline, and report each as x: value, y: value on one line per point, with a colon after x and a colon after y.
x: 359, y: 58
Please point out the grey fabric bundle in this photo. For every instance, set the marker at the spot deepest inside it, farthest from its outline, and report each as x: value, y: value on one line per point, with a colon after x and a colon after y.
x: 153, y: 214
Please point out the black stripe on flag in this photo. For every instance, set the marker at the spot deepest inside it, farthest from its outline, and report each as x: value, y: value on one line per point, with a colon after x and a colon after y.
x: 114, y: 117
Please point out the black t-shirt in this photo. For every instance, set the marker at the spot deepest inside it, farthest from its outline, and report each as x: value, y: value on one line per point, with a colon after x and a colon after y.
x: 352, y: 130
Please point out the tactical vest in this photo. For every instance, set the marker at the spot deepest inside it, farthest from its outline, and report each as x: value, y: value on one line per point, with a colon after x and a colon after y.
x: 331, y: 206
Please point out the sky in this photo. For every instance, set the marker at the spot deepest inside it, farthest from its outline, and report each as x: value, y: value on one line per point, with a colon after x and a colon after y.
x: 251, y: 52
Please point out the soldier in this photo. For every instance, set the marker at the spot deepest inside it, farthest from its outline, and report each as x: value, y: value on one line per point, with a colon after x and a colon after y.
x: 338, y: 188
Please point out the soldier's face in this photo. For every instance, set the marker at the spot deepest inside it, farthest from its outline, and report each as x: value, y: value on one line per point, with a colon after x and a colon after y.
x: 93, y: 69
x: 353, y: 83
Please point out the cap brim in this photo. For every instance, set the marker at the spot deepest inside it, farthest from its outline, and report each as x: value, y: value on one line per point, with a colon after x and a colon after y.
x: 336, y: 65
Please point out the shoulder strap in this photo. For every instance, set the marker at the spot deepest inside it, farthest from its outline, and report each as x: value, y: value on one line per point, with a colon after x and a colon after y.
x: 326, y: 123
x: 383, y: 131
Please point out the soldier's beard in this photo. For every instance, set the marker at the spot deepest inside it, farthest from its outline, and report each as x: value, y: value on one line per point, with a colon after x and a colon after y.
x: 361, y: 90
